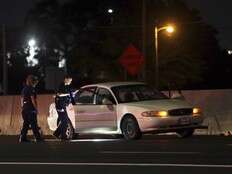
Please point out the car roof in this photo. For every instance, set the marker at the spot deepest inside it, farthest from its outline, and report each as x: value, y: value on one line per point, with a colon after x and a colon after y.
x: 113, y: 84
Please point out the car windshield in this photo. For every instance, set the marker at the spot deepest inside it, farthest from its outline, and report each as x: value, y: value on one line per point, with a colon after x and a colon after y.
x: 136, y: 93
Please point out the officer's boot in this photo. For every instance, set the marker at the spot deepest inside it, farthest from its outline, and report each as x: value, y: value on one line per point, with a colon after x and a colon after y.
x: 23, y: 139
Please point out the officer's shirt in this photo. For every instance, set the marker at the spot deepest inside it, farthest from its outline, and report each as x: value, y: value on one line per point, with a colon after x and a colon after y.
x: 65, y: 100
x: 27, y: 93
x: 65, y: 89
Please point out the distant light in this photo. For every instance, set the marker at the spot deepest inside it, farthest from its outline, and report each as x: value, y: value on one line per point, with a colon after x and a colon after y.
x: 229, y: 52
x: 110, y: 10
x: 62, y: 63
x: 32, y: 43
x: 31, y: 61
x: 170, y: 29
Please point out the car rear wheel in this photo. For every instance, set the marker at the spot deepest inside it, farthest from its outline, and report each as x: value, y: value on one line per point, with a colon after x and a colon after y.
x: 118, y: 136
x: 130, y: 129
x: 69, y: 131
x: 185, y: 133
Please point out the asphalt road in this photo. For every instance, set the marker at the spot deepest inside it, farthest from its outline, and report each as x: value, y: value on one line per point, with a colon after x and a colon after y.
x: 151, y: 154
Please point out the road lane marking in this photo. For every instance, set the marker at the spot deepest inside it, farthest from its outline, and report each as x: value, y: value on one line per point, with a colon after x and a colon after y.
x: 116, y: 164
x: 152, y: 152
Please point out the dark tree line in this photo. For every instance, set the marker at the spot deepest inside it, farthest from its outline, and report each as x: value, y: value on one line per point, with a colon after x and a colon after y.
x: 92, y: 40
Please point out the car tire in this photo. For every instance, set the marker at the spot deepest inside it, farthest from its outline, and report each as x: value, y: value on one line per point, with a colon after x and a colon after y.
x: 118, y: 136
x: 130, y: 129
x: 70, y: 134
x: 185, y: 133
x: 75, y: 136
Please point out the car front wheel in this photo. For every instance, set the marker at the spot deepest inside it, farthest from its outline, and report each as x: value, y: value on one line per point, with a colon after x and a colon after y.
x: 130, y: 129
x: 185, y: 133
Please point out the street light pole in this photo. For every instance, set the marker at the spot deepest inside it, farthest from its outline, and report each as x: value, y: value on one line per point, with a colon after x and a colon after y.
x: 156, y: 59
x: 144, y: 42
x: 169, y: 29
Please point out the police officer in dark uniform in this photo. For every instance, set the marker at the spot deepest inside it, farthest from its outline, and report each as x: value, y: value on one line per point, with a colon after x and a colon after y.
x: 63, y: 98
x: 29, y: 110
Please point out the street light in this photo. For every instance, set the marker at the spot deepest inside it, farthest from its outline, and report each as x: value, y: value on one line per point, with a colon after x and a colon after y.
x: 229, y: 52
x: 110, y: 10
x: 169, y: 29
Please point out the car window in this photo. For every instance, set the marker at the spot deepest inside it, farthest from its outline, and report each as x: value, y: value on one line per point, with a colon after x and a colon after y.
x: 85, y: 96
x: 136, y: 93
x: 104, y: 93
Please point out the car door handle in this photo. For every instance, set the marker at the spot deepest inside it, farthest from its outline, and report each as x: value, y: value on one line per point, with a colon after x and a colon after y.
x: 79, y: 112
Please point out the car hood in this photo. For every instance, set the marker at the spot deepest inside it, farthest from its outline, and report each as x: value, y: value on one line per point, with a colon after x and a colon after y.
x: 164, y: 104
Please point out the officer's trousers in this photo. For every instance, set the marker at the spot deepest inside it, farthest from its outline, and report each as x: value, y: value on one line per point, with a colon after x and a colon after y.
x: 30, y: 120
x: 62, y: 123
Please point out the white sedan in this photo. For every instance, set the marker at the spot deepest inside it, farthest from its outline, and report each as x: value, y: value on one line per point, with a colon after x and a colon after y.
x: 129, y: 109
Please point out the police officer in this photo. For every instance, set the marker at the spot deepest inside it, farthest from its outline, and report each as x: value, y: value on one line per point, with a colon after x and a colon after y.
x: 63, y: 98
x: 29, y: 110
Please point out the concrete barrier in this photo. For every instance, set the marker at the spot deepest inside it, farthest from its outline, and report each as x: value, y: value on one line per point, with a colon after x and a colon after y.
x: 10, y: 114
x: 216, y: 105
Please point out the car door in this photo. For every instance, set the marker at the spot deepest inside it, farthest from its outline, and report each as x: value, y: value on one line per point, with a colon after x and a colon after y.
x: 84, y: 109
x: 92, y: 116
x: 106, y: 118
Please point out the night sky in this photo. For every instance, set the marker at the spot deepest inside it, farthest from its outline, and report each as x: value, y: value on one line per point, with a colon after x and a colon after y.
x: 216, y: 12
x: 12, y: 12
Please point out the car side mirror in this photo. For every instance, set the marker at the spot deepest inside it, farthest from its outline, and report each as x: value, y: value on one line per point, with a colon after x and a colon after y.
x: 106, y: 101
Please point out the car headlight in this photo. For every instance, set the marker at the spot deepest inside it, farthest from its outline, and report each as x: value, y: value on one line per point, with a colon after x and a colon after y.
x: 155, y: 114
x: 196, y: 111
